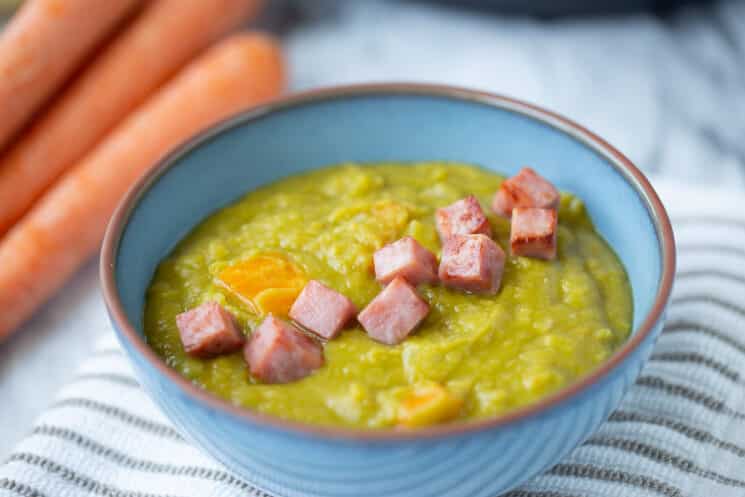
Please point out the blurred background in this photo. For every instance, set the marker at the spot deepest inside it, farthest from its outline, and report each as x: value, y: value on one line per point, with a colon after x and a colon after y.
x: 662, y: 80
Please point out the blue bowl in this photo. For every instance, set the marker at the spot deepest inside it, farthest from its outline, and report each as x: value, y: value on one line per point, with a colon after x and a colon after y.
x: 371, y: 124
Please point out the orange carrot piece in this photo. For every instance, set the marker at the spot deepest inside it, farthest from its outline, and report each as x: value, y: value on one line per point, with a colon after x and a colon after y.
x: 157, y: 43
x: 66, y: 225
x: 42, y: 45
x: 267, y: 282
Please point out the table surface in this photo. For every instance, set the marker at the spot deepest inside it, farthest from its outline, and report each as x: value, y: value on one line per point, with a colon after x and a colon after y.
x: 668, y: 92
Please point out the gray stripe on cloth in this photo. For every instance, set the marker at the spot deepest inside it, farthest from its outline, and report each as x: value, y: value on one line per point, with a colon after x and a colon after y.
x: 663, y: 457
x: 139, y: 422
x: 592, y: 472
x: 689, y: 393
x: 528, y: 493
x: 86, y: 483
x: 700, y: 298
x: 120, y: 379
x: 19, y: 488
x: 690, y: 326
x: 693, y: 433
x: 698, y: 359
x: 125, y: 460
x: 710, y: 273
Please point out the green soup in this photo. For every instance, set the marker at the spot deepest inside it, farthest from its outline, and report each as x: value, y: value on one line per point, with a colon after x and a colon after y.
x: 551, y: 323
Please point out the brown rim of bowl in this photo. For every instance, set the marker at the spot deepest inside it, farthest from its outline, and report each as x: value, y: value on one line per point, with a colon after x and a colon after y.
x: 623, y: 165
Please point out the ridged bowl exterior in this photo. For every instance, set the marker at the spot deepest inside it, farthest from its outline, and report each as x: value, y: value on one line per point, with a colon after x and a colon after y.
x: 387, y: 123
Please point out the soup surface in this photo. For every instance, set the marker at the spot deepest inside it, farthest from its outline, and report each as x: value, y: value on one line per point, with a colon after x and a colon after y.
x: 551, y: 322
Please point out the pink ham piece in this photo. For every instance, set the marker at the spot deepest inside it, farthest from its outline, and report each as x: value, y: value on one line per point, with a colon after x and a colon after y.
x: 209, y: 330
x: 405, y: 258
x: 473, y: 263
x: 463, y: 217
x: 322, y: 310
x: 526, y: 189
x: 277, y: 352
x: 394, y: 313
x: 533, y: 232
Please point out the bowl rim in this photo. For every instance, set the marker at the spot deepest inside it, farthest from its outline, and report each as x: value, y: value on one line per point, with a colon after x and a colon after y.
x: 631, y: 174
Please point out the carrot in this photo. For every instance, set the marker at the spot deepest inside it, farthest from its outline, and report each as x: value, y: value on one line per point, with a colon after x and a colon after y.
x: 43, y: 43
x: 162, y: 39
x: 66, y: 225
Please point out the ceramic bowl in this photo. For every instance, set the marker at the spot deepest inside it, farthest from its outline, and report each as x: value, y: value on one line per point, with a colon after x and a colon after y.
x: 389, y: 122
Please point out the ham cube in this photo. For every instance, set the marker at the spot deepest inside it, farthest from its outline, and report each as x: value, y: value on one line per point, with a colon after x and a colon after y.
x: 464, y: 217
x: 533, y: 232
x: 473, y: 263
x: 322, y: 310
x: 526, y: 189
x: 208, y: 331
x: 405, y: 258
x: 277, y: 352
x: 394, y: 313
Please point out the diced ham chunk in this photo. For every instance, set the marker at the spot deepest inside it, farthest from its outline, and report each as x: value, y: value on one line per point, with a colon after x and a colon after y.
x: 473, y: 263
x: 322, y: 310
x: 405, y: 258
x: 209, y: 330
x: 463, y: 217
x: 277, y: 352
x: 394, y: 313
x: 526, y: 189
x: 533, y: 232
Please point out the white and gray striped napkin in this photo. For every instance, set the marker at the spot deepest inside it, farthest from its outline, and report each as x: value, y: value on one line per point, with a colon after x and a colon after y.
x: 680, y: 431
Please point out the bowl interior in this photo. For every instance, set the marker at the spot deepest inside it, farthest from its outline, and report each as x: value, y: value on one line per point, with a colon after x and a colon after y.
x: 382, y: 126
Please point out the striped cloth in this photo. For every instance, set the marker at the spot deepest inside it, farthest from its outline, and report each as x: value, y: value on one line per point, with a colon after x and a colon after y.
x: 680, y: 431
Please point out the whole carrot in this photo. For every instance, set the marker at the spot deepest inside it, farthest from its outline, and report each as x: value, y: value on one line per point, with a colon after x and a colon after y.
x: 66, y: 226
x: 42, y: 44
x: 157, y: 43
